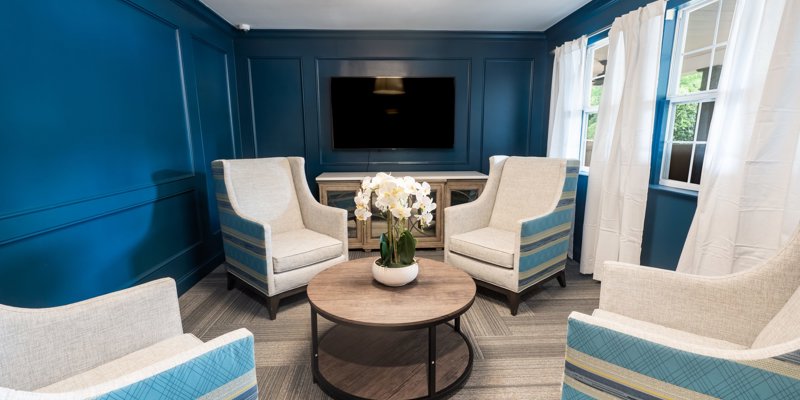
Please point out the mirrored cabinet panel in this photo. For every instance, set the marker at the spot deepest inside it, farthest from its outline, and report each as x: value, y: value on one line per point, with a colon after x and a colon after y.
x: 337, y: 189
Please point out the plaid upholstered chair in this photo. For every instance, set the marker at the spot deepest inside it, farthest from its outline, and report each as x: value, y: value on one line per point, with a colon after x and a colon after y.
x: 275, y: 234
x: 124, y: 345
x: 663, y: 334
x: 516, y: 234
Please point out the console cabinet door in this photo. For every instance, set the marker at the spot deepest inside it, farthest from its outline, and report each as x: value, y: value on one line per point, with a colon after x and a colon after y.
x: 460, y: 192
x: 341, y: 195
x: 430, y: 237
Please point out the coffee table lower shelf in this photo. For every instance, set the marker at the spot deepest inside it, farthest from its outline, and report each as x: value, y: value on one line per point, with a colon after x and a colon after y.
x: 366, y: 363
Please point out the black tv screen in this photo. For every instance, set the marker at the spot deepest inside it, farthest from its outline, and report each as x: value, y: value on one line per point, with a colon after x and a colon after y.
x: 393, y: 113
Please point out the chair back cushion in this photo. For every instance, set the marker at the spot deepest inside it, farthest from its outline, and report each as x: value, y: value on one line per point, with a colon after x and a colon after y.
x: 529, y: 187
x: 783, y: 327
x: 39, y: 347
x: 263, y: 190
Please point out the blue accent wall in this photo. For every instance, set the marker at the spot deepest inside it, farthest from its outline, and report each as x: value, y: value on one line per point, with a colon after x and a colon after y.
x: 284, y: 92
x: 669, y: 212
x: 111, y: 112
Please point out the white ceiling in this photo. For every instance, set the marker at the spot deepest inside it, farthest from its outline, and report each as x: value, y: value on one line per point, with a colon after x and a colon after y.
x: 449, y: 15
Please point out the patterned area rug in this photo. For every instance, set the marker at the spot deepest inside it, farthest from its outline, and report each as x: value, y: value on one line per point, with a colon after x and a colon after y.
x: 516, y: 357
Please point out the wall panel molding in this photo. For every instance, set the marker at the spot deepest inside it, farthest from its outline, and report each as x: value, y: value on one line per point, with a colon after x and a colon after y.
x: 325, y: 53
x: 31, y: 225
x: 105, y: 136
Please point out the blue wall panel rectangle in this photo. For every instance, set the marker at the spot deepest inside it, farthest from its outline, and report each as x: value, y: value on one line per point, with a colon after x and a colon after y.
x: 277, y: 107
x: 507, y: 107
x: 99, y: 255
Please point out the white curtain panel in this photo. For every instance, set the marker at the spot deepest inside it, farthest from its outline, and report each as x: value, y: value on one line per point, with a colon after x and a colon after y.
x: 749, y: 198
x: 617, y: 194
x: 566, y: 100
x: 566, y: 105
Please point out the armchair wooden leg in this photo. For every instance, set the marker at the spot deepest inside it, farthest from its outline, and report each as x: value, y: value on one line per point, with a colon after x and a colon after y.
x: 562, y: 278
x: 231, y: 281
x: 513, y: 301
x: 272, y: 306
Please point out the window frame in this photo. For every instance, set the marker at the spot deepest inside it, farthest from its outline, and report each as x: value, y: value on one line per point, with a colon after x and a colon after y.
x: 586, y: 107
x: 674, y: 98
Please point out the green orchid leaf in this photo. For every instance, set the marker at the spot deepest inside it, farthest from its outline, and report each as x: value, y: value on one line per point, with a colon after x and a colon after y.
x: 386, y: 250
x: 406, y: 248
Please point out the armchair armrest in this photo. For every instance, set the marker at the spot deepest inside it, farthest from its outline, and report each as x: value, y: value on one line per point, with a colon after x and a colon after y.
x: 223, y: 368
x: 731, y: 308
x: 320, y: 218
x: 543, y: 245
x: 467, y: 217
x: 247, y: 244
x: 475, y: 215
x: 331, y: 221
x: 604, y: 357
x: 41, y: 346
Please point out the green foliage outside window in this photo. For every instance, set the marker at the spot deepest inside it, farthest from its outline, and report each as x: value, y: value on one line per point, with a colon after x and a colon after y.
x: 591, y: 126
x: 686, y: 114
x: 597, y: 91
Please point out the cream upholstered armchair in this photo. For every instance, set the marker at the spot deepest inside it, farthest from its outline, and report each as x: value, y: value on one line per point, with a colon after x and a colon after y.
x: 275, y: 234
x: 663, y: 334
x: 124, y: 345
x: 516, y: 234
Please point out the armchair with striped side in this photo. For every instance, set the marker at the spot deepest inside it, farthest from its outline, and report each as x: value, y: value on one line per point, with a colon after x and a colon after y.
x: 663, y: 334
x: 516, y: 234
x: 276, y: 236
x: 128, y: 344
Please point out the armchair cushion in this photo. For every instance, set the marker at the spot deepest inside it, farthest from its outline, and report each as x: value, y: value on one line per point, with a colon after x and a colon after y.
x: 302, y: 247
x: 663, y: 331
x: 491, y: 245
x: 126, y: 364
x: 529, y: 186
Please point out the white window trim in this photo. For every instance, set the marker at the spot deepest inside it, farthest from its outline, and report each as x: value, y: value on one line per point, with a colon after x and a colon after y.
x: 674, y: 99
x: 587, y: 90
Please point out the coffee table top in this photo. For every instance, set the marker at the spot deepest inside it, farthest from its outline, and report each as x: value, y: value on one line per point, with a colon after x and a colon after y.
x: 347, y: 293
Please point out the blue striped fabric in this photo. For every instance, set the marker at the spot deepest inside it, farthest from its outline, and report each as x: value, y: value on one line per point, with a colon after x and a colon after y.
x: 544, y: 241
x: 224, y: 373
x: 243, y: 240
x: 603, y: 362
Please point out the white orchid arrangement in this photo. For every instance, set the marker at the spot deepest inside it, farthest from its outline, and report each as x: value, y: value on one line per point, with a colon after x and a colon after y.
x: 404, y: 203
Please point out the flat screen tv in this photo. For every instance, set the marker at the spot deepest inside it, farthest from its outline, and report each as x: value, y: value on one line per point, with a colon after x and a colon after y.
x: 393, y: 113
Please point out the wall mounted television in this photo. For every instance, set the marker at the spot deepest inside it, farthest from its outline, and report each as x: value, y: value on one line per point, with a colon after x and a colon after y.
x: 393, y: 112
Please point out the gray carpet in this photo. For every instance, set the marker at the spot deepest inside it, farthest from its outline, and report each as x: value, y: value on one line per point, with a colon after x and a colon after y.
x: 520, y: 357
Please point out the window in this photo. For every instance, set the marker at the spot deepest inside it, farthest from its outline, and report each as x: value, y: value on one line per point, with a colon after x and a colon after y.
x: 701, y: 39
x: 596, y: 57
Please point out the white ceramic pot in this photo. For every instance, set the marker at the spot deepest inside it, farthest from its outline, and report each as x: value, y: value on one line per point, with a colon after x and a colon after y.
x: 394, y: 276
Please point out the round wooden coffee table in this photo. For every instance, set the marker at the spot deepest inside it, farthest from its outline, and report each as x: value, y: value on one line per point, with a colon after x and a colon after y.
x: 386, y: 343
